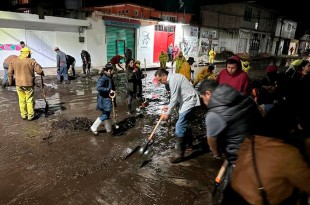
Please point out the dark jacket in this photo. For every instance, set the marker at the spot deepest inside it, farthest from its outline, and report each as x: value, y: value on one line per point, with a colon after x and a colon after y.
x: 131, y: 80
x: 85, y: 55
x: 104, y: 86
x: 70, y: 59
x: 241, y: 115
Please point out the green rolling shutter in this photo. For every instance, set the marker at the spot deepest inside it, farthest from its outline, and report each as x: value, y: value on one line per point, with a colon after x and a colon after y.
x: 117, y: 39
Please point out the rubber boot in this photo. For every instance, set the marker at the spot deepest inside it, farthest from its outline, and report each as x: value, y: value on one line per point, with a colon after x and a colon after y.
x: 179, y: 157
x: 128, y: 109
x: 95, y: 126
x: 189, y: 140
x: 73, y: 72
x: 108, y: 126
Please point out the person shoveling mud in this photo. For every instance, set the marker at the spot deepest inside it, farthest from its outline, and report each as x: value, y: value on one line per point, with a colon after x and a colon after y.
x: 179, y: 84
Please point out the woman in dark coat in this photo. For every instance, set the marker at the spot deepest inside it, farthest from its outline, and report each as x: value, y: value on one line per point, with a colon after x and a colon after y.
x: 104, y: 101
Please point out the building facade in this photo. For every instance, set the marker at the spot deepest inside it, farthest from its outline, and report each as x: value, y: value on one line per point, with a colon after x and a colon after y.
x: 245, y: 28
x: 42, y: 35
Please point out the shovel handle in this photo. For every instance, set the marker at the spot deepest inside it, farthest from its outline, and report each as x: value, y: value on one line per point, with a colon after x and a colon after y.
x: 43, y: 89
x: 155, y: 128
x: 112, y: 96
x: 221, y: 173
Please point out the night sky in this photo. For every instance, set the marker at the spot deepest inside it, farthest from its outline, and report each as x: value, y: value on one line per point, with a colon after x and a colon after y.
x: 296, y: 10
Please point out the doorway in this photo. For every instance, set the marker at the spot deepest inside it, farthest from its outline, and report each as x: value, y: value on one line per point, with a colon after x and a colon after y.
x: 163, y: 37
x: 120, y: 48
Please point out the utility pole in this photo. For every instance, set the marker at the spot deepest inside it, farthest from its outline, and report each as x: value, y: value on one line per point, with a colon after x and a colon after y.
x: 279, y: 39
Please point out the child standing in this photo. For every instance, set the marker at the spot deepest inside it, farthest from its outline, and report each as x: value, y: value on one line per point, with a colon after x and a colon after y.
x: 104, y: 102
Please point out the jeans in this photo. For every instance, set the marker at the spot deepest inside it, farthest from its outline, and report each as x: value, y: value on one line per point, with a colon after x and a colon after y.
x: 86, y: 68
x: 63, y: 71
x: 181, y: 125
x: 5, y: 77
x: 105, y: 115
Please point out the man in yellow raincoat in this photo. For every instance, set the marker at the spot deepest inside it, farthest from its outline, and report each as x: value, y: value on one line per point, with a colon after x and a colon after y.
x: 24, y: 68
x: 245, y: 65
x: 180, y: 59
x: 205, y: 73
x: 163, y: 59
x: 186, y: 68
x: 212, y: 55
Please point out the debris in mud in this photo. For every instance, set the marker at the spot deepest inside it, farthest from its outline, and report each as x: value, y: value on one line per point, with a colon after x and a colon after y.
x: 78, y: 123
x: 62, y: 127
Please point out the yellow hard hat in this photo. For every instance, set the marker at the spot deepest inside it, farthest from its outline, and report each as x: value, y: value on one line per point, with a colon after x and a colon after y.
x: 297, y: 62
x: 25, y: 50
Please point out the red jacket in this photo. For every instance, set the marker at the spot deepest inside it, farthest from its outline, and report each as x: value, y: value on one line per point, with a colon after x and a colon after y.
x: 240, y: 81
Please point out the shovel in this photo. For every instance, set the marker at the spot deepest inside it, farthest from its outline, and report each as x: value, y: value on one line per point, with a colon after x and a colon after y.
x: 141, y: 149
x: 149, y: 141
x: 219, y: 178
x: 44, y: 97
x: 113, y: 109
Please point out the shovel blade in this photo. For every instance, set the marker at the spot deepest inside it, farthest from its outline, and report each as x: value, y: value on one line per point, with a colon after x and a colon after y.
x: 136, y: 149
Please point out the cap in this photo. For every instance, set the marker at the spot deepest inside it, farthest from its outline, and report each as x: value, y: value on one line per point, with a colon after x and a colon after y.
x: 108, y: 66
x: 211, y: 67
x: 56, y: 49
x: 191, y: 59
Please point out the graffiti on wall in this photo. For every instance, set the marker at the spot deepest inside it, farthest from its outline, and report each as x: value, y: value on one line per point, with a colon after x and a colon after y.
x: 145, y: 38
x: 188, y: 47
x: 10, y: 47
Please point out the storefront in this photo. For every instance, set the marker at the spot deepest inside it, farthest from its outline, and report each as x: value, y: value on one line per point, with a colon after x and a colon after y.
x: 120, y: 34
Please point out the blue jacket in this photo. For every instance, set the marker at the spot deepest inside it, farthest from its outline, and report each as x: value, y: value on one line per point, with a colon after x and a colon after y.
x: 104, y: 86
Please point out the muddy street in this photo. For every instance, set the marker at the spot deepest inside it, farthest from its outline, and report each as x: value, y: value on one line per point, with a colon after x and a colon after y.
x: 55, y: 159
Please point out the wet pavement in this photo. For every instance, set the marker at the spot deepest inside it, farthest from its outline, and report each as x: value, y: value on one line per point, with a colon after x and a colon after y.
x: 56, y: 160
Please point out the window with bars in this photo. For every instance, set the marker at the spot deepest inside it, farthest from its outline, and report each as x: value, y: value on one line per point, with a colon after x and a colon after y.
x: 247, y: 14
x: 289, y: 27
x: 164, y: 28
x: 169, y: 18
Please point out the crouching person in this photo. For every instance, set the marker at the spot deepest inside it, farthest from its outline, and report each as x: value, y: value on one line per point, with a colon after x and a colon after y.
x: 184, y: 95
x: 104, y: 101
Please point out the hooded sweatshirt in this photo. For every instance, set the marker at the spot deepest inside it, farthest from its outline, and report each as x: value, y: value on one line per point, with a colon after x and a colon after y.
x: 239, y: 80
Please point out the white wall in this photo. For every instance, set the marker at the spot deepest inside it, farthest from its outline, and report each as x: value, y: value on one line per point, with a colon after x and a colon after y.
x: 68, y: 42
x: 45, y: 34
x: 95, y: 42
